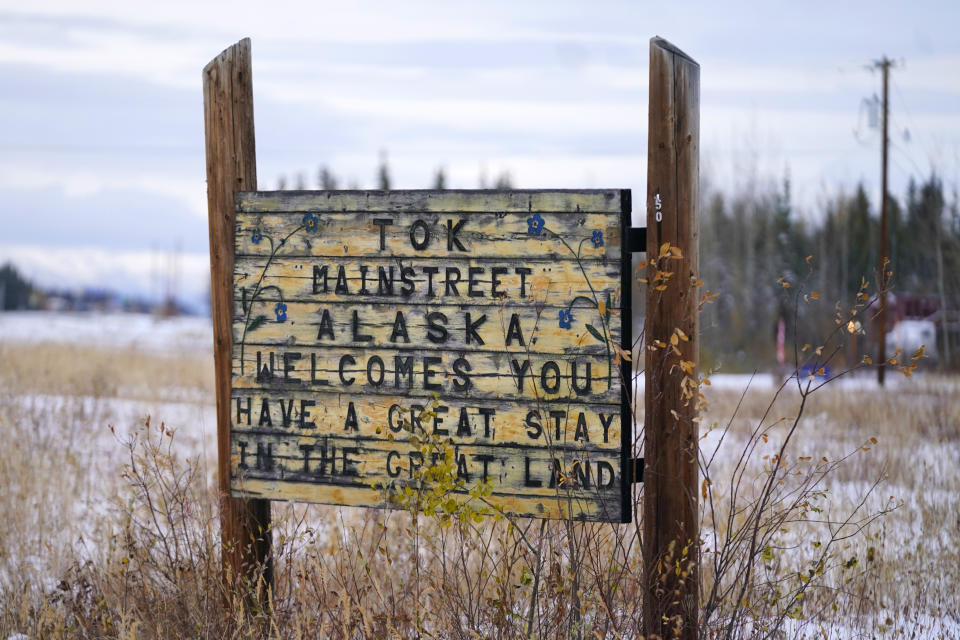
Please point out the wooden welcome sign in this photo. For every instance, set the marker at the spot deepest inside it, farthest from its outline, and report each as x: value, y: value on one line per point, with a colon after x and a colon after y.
x: 491, y: 324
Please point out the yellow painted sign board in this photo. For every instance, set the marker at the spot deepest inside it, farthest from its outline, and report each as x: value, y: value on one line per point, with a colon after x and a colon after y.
x: 377, y: 334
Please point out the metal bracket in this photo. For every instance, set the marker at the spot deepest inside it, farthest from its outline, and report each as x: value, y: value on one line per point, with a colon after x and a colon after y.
x: 637, y: 240
x: 637, y: 476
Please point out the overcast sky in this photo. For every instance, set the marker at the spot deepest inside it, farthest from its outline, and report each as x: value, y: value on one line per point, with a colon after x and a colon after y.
x: 101, y: 147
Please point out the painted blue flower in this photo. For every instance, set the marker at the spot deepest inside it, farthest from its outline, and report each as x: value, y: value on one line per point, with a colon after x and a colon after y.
x: 597, y: 239
x: 535, y: 224
x: 281, y: 311
x: 256, y: 236
x: 310, y: 222
x: 566, y: 317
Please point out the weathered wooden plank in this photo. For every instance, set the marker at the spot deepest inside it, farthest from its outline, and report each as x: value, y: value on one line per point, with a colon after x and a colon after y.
x: 330, y: 465
x: 467, y: 328
x: 389, y: 418
x: 561, y: 505
x: 421, y: 373
x: 386, y: 281
x: 231, y: 165
x: 452, y: 200
x: 477, y: 235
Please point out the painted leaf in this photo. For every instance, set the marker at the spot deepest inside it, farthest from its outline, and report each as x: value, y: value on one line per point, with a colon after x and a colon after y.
x: 596, y: 334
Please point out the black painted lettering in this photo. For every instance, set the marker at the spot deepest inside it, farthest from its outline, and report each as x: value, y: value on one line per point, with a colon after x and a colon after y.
x: 289, y: 358
x: 286, y: 412
x: 383, y: 223
x: 265, y: 413
x: 318, y: 273
x: 393, y: 472
x: 355, y: 329
x: 534, y: 429
x: 550, y: 368
x: 375, y: 362
x: 470, y: 328
x: 586, y: 388
x: 452, y: 231
x: 556, y: 475
x: 347, y: 463
x: 557, y: 417
x: 363, y: 280
x: 496, y: 282
x: 519, y: 371
x: 605, y: 469
x: 436, y: 332
x: 243, y: 453
x: 486, y: 459
x: 385, y: 280
x: 473, y: 282
x: 399, y: 329
x: 416, y: 461
x: 305, y: 413
x: 437, y: 420
x: 328, y: 457
x: 463, y: 425
x: 313, y: 372
x: 581, y: 433
x: 341, y: 288
x: 424, y: 229
x: 487, y: 414
x: 264, y: 457
x: 243, y: 411
x: 348, y: 360
x: 513, y: 331
x: 428, y: 373
x: 581, y: 474
x: 528, y: 480
x: 406, y: 277
x: 306, y: 448
x: 462, y: 381
x: 402, y: 365
x: 606, y: 421
x: 350, y: 424
x: 452, y: 278
x: 462, y: 473
x: 430, y: 271
x: 325, y: 330
x: 264, y: 373
x: 416, y: 411
x: 394, y: 424
x: 523, y: 272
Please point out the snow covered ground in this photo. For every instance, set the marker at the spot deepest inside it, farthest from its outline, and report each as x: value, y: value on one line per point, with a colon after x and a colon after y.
x: 921, y: 470
x: 121, y: 330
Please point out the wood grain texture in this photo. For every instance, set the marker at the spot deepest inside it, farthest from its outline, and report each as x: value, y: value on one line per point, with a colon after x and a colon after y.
x: 671, y: 435
x: 349, y: 306
x: 231, y: 167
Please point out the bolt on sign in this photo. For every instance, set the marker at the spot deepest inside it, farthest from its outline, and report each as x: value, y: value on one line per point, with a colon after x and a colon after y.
x: 380, y: 335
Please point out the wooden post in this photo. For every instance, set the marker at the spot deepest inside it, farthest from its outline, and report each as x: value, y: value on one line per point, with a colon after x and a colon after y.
x: 670, y: 505
x: 884, y: 267
x: 231, y: 167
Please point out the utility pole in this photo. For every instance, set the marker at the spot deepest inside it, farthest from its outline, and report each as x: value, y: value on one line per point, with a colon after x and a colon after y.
x: 884, y: 65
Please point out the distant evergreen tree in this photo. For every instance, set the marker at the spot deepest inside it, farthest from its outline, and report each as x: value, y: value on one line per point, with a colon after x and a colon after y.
x: 503, y: 181
x: 15, y: 290
x: 326, y: 180
x: 383, y: 173
x: 440, y: 181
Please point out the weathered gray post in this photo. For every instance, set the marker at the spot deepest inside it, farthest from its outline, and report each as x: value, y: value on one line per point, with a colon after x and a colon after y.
x: 231, y: 167
x: 671, y: 514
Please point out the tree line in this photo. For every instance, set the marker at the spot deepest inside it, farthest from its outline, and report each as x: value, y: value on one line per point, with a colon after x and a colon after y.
x: 761, y: 257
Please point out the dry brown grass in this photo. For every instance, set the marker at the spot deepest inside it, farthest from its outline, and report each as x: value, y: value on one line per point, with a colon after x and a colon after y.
x: 116, y: 536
